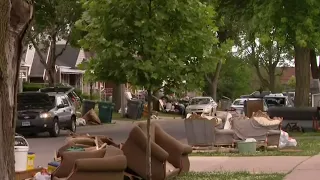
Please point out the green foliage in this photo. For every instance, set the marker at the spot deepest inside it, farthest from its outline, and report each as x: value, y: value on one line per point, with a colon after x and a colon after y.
x: 89, y: 75
x: 235, y: 78
x: 149, y: 42
x: 95, y: 96
x: 53, y: 19
x: 33, y: 86
x: 296, y: 23
x: 292, y: 82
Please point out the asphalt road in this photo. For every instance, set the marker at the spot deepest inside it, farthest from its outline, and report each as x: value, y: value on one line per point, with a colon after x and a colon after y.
x: 44, y: 146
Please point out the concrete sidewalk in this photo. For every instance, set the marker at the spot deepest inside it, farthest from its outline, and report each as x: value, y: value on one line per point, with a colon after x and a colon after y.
x: 308, y: 170
x: 297, y: 167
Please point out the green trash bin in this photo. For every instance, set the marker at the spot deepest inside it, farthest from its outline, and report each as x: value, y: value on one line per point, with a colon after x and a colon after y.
x: 105, y: 111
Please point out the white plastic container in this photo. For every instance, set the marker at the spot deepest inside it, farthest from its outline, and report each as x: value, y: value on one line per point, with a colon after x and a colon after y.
x: 21, y: 148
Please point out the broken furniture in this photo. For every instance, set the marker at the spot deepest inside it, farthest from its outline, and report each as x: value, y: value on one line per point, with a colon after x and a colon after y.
x: 252, y: 106
x: 259, y: 128
x: 225, y: 117
x: 87, y: 142
x: 178, y: 152
x: 91, y: 118
x: 202, y: 132
x: 108, y: 163
x: 135, y: 151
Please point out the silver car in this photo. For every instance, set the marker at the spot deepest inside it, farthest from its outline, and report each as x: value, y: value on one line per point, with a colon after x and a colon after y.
x: 199, y: 105
x: 238, y: 105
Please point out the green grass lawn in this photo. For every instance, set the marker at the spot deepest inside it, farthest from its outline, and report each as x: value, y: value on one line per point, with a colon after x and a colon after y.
x: 310, y: 146
x: 230, y: 176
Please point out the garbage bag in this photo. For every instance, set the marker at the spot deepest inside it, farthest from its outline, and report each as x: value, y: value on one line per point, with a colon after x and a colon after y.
x: 286, y: 141
x: 81, y: 122
x: 42, y: 176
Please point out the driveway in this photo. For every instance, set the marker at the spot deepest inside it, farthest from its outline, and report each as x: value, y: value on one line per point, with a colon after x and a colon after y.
x: 44, y: 146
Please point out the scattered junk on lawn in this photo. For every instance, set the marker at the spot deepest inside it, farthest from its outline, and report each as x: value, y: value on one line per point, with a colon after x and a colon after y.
x: 100, y: 158
x: 225, y: 133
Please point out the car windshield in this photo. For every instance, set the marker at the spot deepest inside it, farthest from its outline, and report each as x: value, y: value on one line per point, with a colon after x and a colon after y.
x: 196, y: 101
x: 52, y: 99
x: 275, y: 101
x: 238, y: 102
x: 33, y: 101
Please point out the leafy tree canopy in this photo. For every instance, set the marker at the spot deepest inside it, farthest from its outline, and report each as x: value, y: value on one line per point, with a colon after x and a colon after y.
x: 149, y: 42
x: 54, y: 18
x: 296, y: 22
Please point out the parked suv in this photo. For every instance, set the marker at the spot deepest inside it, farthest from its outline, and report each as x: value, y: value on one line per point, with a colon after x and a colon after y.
x: 38, y: 112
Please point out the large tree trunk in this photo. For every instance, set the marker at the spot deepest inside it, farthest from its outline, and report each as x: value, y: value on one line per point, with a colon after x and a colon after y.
x: 214, y: 82
x: 15, y: 17
x: 91, y: 91
x: 272, y: 79
x: 315, y: 71
x: 116, y: 97
x: 302, y: 68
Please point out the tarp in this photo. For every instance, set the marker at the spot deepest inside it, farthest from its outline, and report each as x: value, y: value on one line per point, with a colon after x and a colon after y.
x: 250, y: 128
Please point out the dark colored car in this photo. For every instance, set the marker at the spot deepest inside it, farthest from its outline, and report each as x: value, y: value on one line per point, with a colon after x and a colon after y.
x: 38, y: 112
x: 74, y: 98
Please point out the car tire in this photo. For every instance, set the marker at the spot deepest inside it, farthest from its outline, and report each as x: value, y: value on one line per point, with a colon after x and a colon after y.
x: 55, y: 130
x: 73, y: 126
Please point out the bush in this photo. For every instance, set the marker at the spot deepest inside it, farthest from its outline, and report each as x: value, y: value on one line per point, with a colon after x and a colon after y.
x: 33, y: 86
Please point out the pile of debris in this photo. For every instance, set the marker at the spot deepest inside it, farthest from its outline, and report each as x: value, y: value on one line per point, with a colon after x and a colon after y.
x: 90, y: 118
x: 195, y: 116
x: 263, y: 119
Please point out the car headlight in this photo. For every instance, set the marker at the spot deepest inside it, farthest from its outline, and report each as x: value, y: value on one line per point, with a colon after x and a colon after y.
x: 45, y: 115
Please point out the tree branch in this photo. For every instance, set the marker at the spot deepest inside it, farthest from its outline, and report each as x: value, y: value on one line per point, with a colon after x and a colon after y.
x: 262, y: 79
x: 64, y: 48
x: 208, y: 79
x: 34, y: 43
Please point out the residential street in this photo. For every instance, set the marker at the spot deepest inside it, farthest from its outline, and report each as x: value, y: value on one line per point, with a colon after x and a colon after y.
x: 45, y: 146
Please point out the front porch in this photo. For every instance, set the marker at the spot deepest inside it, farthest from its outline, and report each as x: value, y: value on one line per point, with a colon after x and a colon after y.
x: 72, y: 77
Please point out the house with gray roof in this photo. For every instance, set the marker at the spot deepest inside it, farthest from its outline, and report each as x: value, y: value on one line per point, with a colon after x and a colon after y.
x: 33, y: 71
